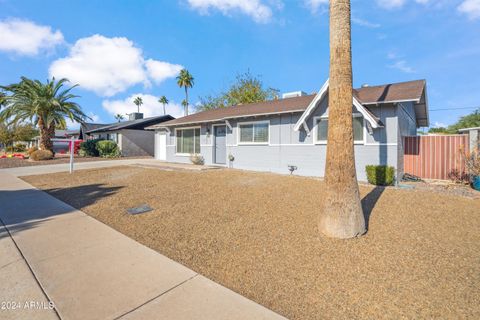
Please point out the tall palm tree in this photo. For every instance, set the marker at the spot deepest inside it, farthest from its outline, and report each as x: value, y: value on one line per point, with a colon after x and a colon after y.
x: 46, y: 105
x: 342, y: 215
x: 163, y: 100
x: 184, y: 104
x: 185, y: 80
x: 119, y: 117
x: 138, y: 102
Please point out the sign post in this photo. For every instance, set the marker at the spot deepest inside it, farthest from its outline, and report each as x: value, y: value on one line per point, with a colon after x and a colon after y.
x: 72, y: 149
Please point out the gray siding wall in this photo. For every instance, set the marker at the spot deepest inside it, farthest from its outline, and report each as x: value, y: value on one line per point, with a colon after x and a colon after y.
x: 289, y: 147
x: 407, y: 126
x: 137, y: 143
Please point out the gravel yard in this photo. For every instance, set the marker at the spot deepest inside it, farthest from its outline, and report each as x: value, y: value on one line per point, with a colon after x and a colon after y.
x: 256, y: 234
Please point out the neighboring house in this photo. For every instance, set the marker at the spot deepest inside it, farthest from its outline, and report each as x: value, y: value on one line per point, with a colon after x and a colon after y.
x: 473, y: 137
x: 131, y: 136
x: 85, y: 127
x: 59, y: 145
x: 273, y: 135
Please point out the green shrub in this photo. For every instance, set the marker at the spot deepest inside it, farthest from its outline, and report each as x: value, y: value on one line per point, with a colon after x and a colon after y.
x: 380, y: 175
x: 40, y: 155
x: 107, y: 149
x: 89, y: 148
x: 20, y: 147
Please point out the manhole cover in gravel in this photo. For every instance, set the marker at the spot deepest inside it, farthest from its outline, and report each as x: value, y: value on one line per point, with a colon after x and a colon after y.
x: 141, y: 209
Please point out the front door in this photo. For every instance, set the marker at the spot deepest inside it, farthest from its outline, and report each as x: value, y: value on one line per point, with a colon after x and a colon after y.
x: 161, y: 145
x: 220, y: 143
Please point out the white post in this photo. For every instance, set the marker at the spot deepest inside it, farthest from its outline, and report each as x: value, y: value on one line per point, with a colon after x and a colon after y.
x: 72, y: 148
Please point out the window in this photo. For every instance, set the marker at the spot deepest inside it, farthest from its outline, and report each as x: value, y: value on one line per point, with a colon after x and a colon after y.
x: 322, y: 129
x: 256, y: 132
x: 188, y: 140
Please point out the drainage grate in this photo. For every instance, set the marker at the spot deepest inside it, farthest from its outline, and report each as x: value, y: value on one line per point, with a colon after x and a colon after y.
x: 138, y: 210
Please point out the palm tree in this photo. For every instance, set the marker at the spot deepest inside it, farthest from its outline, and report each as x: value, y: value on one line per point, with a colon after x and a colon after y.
x: 163, y: 100
x: 184, y: 104
x: 342, y: 213
x: 119, y: 117
x: 186, y: 81
x: 138, y: 102
x: 46, y: 105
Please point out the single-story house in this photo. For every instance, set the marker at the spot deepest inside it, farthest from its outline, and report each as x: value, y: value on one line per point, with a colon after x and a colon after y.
x: 86, y: 126
x: 131, y: 136
x: 292, y: 132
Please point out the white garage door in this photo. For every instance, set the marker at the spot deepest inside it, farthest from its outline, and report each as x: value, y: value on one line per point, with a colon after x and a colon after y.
x: 161, y: 145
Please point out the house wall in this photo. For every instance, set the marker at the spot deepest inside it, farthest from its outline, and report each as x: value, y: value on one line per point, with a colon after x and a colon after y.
x: 407, y: 126
x: 289, y: 147
x: 136, y: 142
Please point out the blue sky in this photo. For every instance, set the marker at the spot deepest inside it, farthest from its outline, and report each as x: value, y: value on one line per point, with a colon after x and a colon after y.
x: 117, y: 49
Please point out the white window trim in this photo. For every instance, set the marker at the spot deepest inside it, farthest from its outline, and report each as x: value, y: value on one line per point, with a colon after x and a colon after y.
x: 253, y: 143
x: 175, y: 139
x: 324, y: 142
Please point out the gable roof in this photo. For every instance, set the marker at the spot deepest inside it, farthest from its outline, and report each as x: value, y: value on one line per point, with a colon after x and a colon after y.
x: 390, y: 93
x: 138, y: 124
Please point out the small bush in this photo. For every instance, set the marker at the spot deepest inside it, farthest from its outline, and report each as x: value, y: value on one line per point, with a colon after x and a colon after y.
x: 197, y: 159
x: 380, y: 175
x: 31, y: 150
x: 20, y: 147
x: 107, y: 149
x: 40, y: 155
x: 89, y: 148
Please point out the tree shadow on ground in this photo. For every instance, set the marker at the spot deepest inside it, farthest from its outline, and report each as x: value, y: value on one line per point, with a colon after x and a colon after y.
x: 28, y: 208
x: 83, y: 196
x: 369, y: 202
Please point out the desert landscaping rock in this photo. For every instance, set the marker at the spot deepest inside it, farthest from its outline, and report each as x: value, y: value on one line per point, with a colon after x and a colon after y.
x: 256, y: 233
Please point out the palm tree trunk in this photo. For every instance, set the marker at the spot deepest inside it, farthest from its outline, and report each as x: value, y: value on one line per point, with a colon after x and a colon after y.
x: 186, y: 99
x: 164, y: 111
x: 45, y: 137
x: 342, y: 215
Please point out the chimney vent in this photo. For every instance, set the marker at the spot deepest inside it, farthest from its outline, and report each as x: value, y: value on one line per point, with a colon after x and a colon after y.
x: 135, y: 116
x: 293, y: 94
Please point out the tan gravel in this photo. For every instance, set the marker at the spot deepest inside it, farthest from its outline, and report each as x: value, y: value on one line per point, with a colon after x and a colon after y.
x: 256, y: 234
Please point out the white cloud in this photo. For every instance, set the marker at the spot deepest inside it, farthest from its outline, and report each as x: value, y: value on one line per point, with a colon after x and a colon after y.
x: 24, y: 37
x: 150, y: 107
x: 159, y: 71
x: 439, y: 125
x: 314, y: 5
x: 72, y: 125
x: 471, y: 8
x: 402, y: 66
x: 108, y: 66
x: 256, y: 9
x: 391, y: 4
x: 365, y: 23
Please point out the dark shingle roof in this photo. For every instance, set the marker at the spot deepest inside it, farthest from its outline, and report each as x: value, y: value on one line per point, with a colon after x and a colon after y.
x: 138, y: 124
x: 406, y: 91
x: 403, y: 91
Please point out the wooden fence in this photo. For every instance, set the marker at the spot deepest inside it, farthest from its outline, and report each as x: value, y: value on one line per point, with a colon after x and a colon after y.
x: 435, y: 157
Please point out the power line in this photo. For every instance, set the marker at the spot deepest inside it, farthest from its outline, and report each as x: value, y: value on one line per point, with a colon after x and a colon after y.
x: 454, y: 108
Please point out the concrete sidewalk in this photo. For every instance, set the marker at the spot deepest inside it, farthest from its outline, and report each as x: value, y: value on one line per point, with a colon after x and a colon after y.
x: 53, y: 252
x: 63, y: 167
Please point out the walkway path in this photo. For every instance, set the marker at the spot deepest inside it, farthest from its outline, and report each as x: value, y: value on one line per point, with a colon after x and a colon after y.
x: 49, y: 251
